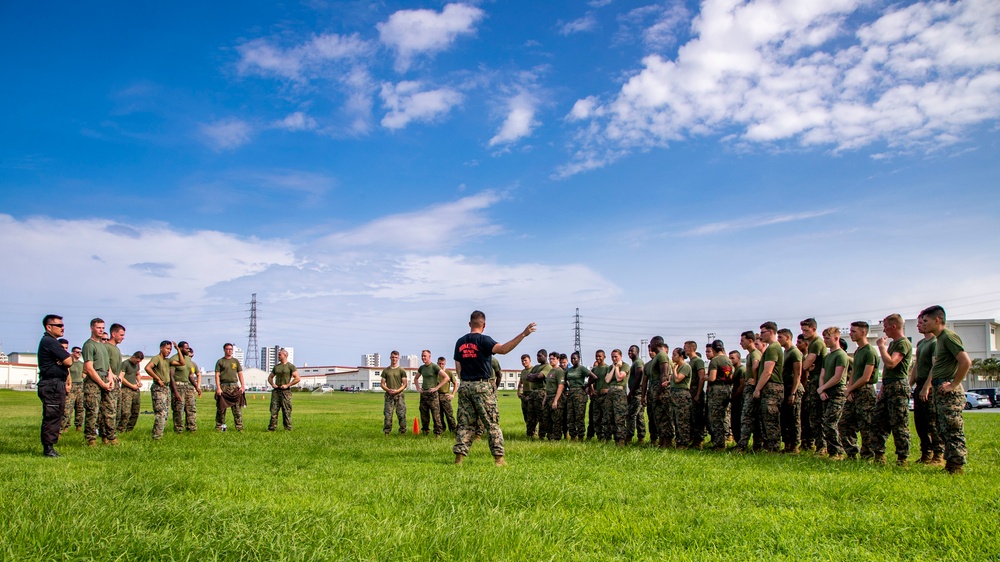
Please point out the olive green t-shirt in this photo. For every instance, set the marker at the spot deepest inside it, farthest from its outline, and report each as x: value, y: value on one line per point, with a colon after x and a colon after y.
x: 430, y: 375
x: 496, y: 367
x: 818, y: 347
x: 751, y: 357
x: 283, y: 373
x: 131, y: 371
x: 76, y: 372
x: 601, y: 372
x: 577, y: 377
x: 624, y: 368
x: 114, y: 359
x: 773, y: 352
x: 739, y: 373
x: 833, y: 360
x: 228, y: 370
x: 925, y: 358
x: 524, y: 380
x: 179, y: 373
x: 685, y: 370
x: 654, y: 374
x: 863, y: 357
x: 393, y: 377
x: 901, y: 371
x: 635, y: 374
x: 723, y: 368
x: 946, y: 351
x: 544, y: 369
x: 555, y: 378
x: 791, y: 357
x: 97, y: 353
x: 161, y: 366
x: 446, y: 387
x: 697, y: 364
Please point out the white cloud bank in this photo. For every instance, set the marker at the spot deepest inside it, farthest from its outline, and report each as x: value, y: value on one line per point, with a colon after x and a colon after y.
x: 520, y: 121
x: 425, y: 32
x: 226, y: 134
x: 790, y: 71
x: 407, y: 102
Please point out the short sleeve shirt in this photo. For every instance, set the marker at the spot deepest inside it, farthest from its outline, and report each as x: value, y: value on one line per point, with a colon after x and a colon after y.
x: 834, y: 359
x: 543, y: 369
x: 635, y: 376
x: 685, y: 370
x: 97, y: 353
x: 76, y: 372
x: 863, y: 357
x: 739, y: 373
x: 429, y: 375
x: 114, y: 359
x: 697, y: 364
x: 446, y: 388
x: 393, y: 377
x: 577, y: 377
x: 817, y: 347
x: 773, y: 352
x: 555, y: 378
x: 723, y: 368
x: 925, y: 358
x: 751, y: 357
x: 614, y: 380
x: 131, y: 371
x: 601, y: 372
x: 792, y: 356
x: 229, y: 370
x: 901, y: 371
x: 50, y: 354
x: 283, y: 373
x: 946, y: 351
x: 161, y: 366
x: 655, y: 374
x: 474, y: 352
x: 179, y: 373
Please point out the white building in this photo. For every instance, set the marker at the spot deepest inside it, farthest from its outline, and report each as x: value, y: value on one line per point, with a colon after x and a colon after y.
x: 238, y: 354
x: 269, y: 356
x: 371, y: 360
x: 409, y: 362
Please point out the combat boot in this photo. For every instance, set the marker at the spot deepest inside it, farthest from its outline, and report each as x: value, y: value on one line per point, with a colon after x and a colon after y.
x: 620, y: 442
x: 937, y: 460
x: 879, y: 458
x: 50, y: 451
x: 91, y: 442
x: 498, y: 460
x: 902, y: 461
x: 458, y: 458
x: 638, y: 442
x: 837, y: 457
x: 925, y: 457
x: 953, y: 468
x: 113, y: 442
x: 794, y: 450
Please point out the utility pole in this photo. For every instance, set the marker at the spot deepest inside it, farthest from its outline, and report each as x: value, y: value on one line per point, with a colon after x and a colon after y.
x: 711, y: 337
x: 252, y: 358
x: 576, y: 334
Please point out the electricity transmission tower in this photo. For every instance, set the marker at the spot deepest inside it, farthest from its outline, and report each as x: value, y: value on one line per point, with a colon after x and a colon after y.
x: 576, y: 333
x: 252, y: 358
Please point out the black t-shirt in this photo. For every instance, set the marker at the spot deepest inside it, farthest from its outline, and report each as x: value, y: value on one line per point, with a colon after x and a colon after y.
x: 474, y: 352
x: 50, y: 353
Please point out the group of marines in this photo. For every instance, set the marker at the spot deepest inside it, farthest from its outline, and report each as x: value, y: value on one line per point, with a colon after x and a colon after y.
x: 804, y: 392
x: 102, y: 391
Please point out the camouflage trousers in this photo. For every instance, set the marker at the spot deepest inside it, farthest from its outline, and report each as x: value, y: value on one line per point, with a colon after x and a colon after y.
x: 229, y: 392
x: 736, y: 415
x: 771, y: 397
x: 950, y: 425
x: 523, y: 398
x: 750, y: 420
x: 635, y: 420
x: 680, y: 415
x: 281, y: 401
x: 699, y: 416
x: 832, y: 408
x: 717, y: 401
x: 74, y: 405
x: 477, y: 400
x: 394, y: 403
x: 552, y: 419
x: 185, y: 408
x: 923, y: 419
x: 791, y: 416
x: 430, y: 409
x: 664, y: 412
x: 857, y: 417
x: 100, y: 409
x: 536, y: 404
x: 161, y: 405
x: 890, y: 416
x: 615, y: 412
x: 128, y: 409
x: 805, y: 432
x: 814, y: 406
x: 652, y: 391
x: 576, y: 410
x: 447, y: 412
x: 596, y: 416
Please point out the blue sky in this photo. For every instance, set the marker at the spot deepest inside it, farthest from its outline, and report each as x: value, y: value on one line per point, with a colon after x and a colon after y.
x: 376, y: 171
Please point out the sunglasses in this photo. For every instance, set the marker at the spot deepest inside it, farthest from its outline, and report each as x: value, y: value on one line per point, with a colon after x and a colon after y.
x: 57, y: 325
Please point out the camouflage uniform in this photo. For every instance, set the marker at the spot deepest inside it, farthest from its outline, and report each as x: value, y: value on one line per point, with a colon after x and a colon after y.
x: 814, y: 405
x: 395, y: 402
x: 635, y: 420
x: 576, y: 406
x: 666, y: 428
x: 74, y: 404
x: 699, y: 412
x: 552, y: 419
x: 184, y: 409
x: 100, y: 410
x: 925, y: 420
x: 430, y: 409
x: 832, y: 407
x: 652, y: 405
x: 771, y: 397
x: 949, y: 423
x: 680, y: 412
x: 856, y: 417
x: 447, y: 412
x: 128, y: 409
x: 890, y: 417
x: 615, y: 412
x: 477, y: 400
x: 750, y: 420
x: 791, y: 416
x: 717, y: 400
x: 161, y: 403
x: 281, y: 399
x: 595, y: 416
x: 536, y: 405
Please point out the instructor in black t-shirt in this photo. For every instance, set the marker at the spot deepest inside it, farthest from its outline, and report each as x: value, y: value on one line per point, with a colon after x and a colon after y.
x: 476, y: 398
x: 53, y: 368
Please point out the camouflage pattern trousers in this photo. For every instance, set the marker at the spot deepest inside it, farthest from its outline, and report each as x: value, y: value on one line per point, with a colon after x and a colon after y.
x: 890, y: 416
x: 652, y: 391
x: 430, y: 409
x: 750, y: 420
x: 447, y: 412
x: 814, y: 406
x: 679, y: 413
x: 615, y: 412
x: 536, y: 404
x: 950, y: 426
x: 74, y: 405
x: 477, y: 401
x: 281, y: 401
x: 394, y: 403
x: 699, y: 416
x: 832, y: 408
x: 128, y: 409
x: 229, y: 392
x: 635, y: 420
x: 857, y: 417
x: 552, y: 418
x: 161, y: 405
x: 717, y: 401
x: 771, y: 397
x: 923, y: 419
x: 100, y: 409
x: 736, y: 415
x: 791, y: 416
x: 576, y: 411
x: 186, y: 407
x: 596, y: 416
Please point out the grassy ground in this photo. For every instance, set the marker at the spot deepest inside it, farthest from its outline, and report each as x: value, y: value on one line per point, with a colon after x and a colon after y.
x: 336, y: 488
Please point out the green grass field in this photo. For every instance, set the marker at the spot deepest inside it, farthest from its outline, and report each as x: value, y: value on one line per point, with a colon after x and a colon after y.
x: 336, y: 488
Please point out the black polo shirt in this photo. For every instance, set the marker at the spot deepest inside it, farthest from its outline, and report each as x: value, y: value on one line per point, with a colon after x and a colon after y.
x: 50, y: 353
x: 474, y: 352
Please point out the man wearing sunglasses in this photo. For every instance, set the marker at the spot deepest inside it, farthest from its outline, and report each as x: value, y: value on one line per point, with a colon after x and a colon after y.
x: 53, y: 368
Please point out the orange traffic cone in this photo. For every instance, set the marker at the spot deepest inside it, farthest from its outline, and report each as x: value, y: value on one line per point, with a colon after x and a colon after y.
x: 416, y: 426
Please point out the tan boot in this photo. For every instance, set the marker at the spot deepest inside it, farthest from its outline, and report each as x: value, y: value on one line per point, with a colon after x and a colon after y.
x: 902, y: 461
x: 925, y: 457
x: 458, y: 458
x: 937, y: 459
x: 953, y: 468
x: 879, y: 458
x: 498, y: 460
x: 91, y: 442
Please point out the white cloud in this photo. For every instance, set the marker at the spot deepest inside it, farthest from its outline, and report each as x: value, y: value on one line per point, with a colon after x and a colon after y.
x: 789, y: 71
x: 754, y: 222
x: 416, y: 32
x: 297, y: 121
x: 580, y: 25
x: 656, y: 25
x: 407, y: 102
x: 226, y: 134
x: 520, y: 121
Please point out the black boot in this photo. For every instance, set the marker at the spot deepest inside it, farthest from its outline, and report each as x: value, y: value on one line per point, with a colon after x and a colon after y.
x: 50, y: 451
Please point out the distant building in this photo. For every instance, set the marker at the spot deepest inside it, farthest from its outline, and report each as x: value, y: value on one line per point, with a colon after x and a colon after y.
x: 410, y: 362
x: 23, y: 358
x: 238, y: 354
x: 371, y: 360
x: 269, y: 357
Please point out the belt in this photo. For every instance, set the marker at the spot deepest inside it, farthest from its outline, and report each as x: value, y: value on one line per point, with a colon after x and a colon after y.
x: 225, y: 384
x: 718, y: 383
x: 772, y: 381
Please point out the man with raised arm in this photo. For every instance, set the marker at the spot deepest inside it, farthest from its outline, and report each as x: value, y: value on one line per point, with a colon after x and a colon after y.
x: 890, y: 415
